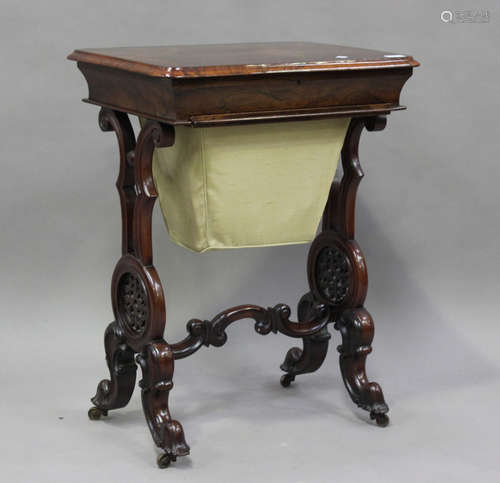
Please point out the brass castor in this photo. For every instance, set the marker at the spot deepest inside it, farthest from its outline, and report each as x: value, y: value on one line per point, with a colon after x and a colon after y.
x: 381, y: 419
x: 287, y: 379
x: 96, y: 413
x: 164, y: 460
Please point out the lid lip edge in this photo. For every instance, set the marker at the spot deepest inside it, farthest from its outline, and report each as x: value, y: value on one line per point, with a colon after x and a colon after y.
x: 154, y: 70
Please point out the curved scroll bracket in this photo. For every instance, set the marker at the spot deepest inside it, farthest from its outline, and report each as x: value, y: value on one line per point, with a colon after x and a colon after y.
x: 153, y: 135
x: 157, y: 366
x: 341, y: 205
x: 273, y: 319
x: 356, y: 327
x: 116, y: 392
x: 119, y: 122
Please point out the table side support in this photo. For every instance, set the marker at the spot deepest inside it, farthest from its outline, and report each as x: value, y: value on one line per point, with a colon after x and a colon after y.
x: 273, y: 319
x: 137, y: 294
x: 338, y: 276
x: 337, y: 279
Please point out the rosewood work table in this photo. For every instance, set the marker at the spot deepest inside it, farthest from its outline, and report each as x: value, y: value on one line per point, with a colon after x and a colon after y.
x: 179, y: 91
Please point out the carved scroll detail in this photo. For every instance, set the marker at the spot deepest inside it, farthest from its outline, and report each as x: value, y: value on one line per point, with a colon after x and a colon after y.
x: 116, y: 392
x: 337, y: 271
x: 138, y: 301
x: 339, y: 278
x: 314, y: 347
x: 157, y: 364
x: 137, y: 294
x: 153, y: 135
x: 332, y: 274
x: 273, y: 319
x: 356, y: 327
x: 119, y: 122
x: 341, y: 206
x: 133, y: 303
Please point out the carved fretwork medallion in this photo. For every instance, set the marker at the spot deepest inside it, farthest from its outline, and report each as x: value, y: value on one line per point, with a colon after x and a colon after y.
x: 132, y: 303
x: 332, y: 274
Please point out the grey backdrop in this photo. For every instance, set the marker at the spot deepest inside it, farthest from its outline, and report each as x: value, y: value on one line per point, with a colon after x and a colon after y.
x: 427, y: 221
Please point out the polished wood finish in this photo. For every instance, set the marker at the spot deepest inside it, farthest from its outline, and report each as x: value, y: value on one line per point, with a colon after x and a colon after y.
x: 341, y: 206
x: 351, y: 319
x: 237, y: 83
x: 116, y: 392
x: 210, y: 86
x: 314, y: 347
x: 357, y: 329
x: 157, y: 364
x: 120, y: 124
x: 135, y: 279
x: 217, y: 60
x: 275, y: 319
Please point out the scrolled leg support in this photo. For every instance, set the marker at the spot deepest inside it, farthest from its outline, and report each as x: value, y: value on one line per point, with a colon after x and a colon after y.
x: 137, y: 294
x: 338, y: 275
x: 157, y: 364
x: 314, y: 347
x: 115, y: 392
x: 357, y: 329
x: 337, y: 279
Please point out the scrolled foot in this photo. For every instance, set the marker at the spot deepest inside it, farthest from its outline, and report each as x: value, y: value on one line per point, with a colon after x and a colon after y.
x: 157, y: 364
x: 309, y: 359
x: 287, y: 379
x: 381, y: 419
x: 356, y: 327
x: 292, y: 357
x: 96, y: 413
x: 115, y: 392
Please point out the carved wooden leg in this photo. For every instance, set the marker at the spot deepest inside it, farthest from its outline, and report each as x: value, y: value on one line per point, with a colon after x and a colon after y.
x: 137, y: 294
x: 338, y: 276
x: 314, y: 347
x: 356, y: 327
x: 116, y: 392
x: 139, y: 302
x: 157, y: 363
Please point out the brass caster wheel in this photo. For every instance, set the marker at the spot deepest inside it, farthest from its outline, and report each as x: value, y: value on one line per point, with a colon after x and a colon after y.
x: 381, y: 419
x: 164, y: 460
x: 96, y: 413
x: 287, y: 379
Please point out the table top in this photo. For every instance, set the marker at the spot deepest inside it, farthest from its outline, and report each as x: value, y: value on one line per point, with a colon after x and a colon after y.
x: 219, y: 60
x: 200, y: 85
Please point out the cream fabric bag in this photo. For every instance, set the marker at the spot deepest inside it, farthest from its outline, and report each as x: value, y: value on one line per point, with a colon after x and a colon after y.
x: 247, y: 186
